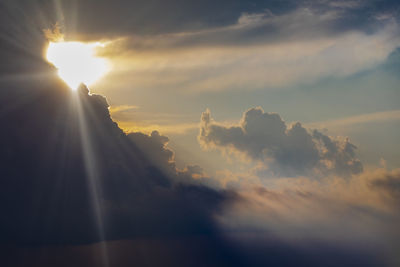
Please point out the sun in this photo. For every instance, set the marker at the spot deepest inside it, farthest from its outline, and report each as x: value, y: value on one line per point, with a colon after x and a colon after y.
x: 77, y: 62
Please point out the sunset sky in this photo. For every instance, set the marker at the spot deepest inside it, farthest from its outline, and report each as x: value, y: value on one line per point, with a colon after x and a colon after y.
x: 268, y: 129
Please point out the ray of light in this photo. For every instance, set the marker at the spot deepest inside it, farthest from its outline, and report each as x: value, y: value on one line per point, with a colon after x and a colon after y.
x: 92, y: 172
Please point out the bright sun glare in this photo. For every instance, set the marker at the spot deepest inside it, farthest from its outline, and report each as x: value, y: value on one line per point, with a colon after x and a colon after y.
x: 77, y: 62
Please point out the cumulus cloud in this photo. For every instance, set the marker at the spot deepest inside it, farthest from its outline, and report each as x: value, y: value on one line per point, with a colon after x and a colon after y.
x: 285, y: 151
x: 154, y: 146
x: 49, y: 175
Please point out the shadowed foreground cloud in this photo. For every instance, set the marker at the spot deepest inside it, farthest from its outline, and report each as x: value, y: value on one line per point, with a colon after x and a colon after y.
x: 46, y: 188
x: 49, y: 167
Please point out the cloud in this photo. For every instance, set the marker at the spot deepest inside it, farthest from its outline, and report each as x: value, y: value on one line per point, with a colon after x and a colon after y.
x: 52, y: 161
x: 160, y: 17
x: 54, y: 34
x: 389, y: 184
x: 345, y: 4
x: 148, y: 18
x: 348, y: 212
x: 278, y: 44
x: 259, y: 51
x: 120, y: 109
x: 131, y: 119
x: 154, y: 146
x: 285, y: 151
x: 391, y: 115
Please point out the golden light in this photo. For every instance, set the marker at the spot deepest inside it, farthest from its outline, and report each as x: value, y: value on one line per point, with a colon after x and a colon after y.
x: 77, y: 62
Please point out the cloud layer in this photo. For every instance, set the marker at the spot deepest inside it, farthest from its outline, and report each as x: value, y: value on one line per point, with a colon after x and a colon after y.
x: 260, y: 51
x: 359, y: 214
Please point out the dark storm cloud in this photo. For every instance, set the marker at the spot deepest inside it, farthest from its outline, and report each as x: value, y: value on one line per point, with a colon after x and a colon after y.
x: 265, y: 27
x: 156, y: 16
x: 249, y: 29
x: 150, y: 17
x: 45, y: 181
x: 286, y: 151
x: 124, y: 17
x: 154, y: 146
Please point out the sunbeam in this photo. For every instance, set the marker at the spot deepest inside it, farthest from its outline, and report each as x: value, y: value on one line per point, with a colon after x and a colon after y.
x: 92, y: 172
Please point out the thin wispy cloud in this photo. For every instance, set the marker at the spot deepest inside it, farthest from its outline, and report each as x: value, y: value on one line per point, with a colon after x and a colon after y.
x: 385, y: 116
x: 260, y: 51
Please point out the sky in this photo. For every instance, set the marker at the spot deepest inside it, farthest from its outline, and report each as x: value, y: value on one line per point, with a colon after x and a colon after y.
x: 311, y: 62
x: 264, y: 130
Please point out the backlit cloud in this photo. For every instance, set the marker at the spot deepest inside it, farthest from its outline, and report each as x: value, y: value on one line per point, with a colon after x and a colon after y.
x: 286, y: 151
